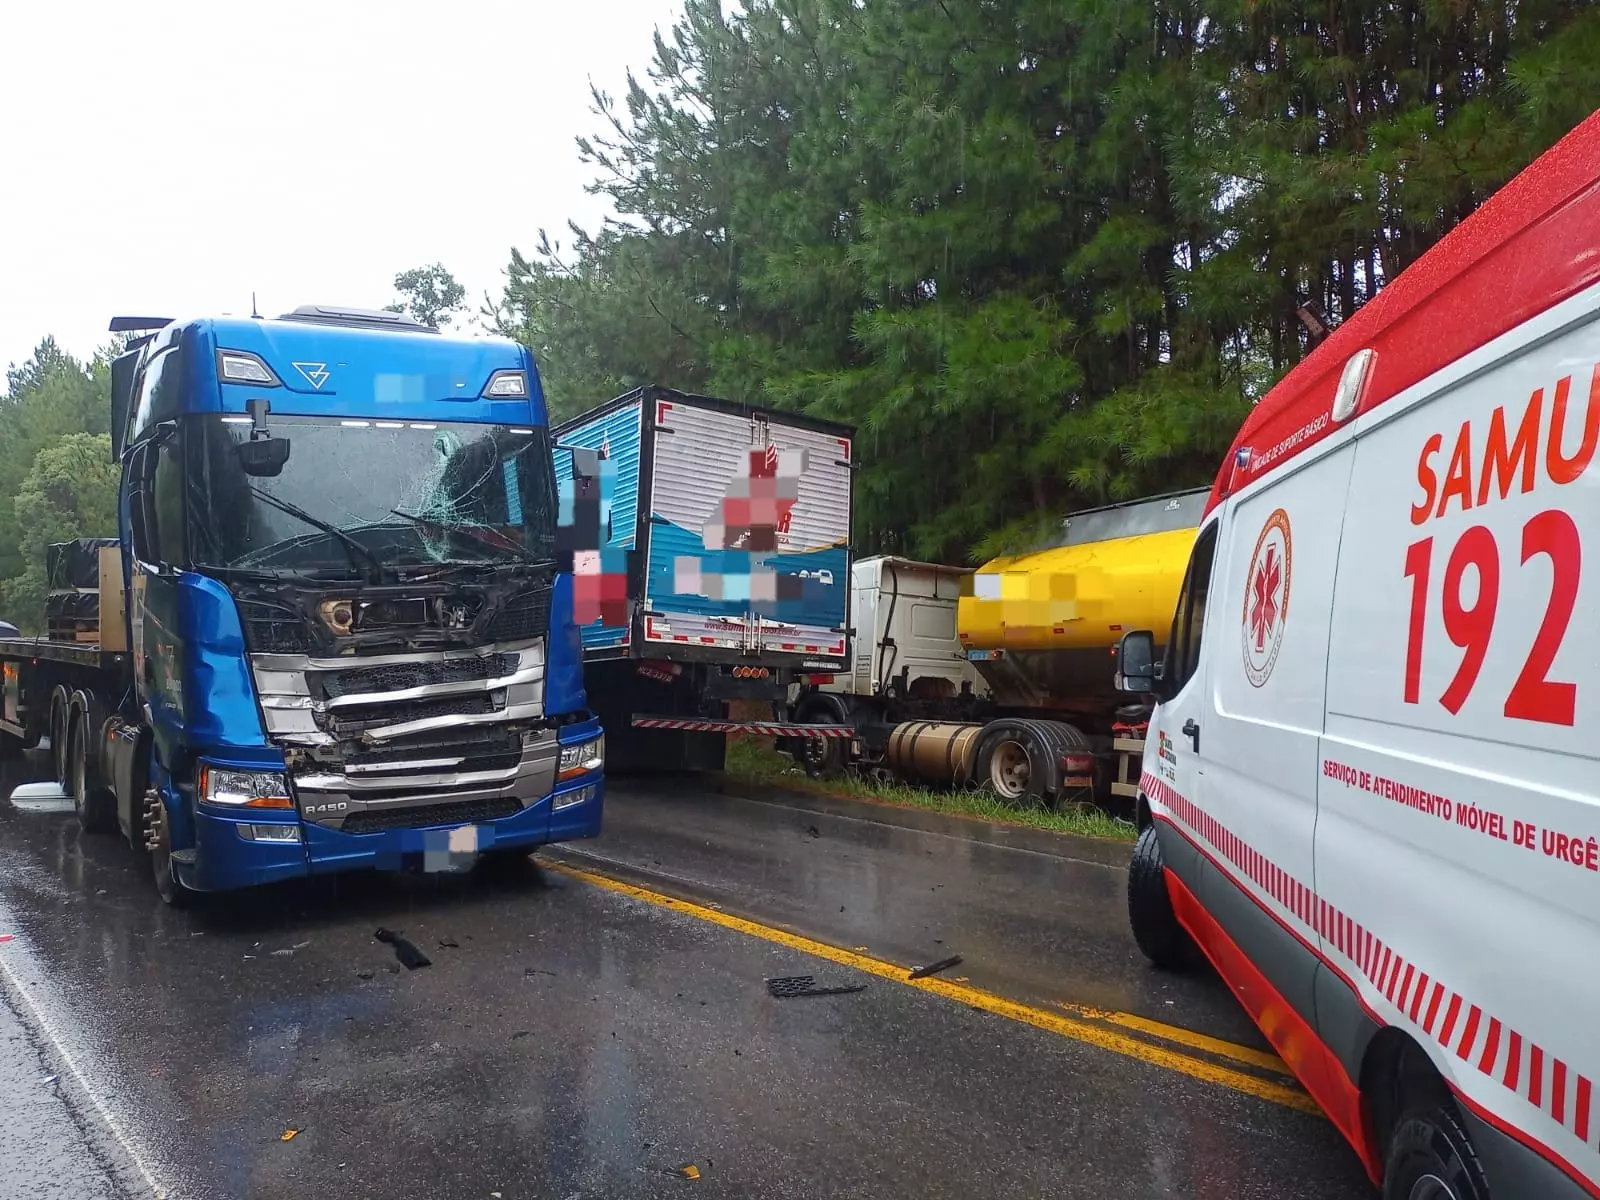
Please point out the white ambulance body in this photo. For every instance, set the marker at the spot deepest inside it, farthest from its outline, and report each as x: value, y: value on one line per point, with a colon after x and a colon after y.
x: 1372, y: 797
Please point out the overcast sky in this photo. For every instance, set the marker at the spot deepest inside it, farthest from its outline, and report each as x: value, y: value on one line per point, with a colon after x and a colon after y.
x: 170, y: 159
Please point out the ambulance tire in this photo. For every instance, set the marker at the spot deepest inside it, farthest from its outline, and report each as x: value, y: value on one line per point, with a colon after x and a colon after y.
x: 1160, y: 937
x: 1430, y: 1155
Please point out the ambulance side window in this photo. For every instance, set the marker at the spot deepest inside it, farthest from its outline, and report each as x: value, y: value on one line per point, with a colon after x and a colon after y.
x: 1183, y: 647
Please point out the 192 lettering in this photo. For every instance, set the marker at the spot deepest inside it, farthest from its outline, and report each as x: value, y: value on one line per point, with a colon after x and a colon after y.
x: 1534, y: 696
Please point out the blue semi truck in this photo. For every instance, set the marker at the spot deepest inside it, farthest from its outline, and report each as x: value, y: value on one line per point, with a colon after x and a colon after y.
x: 334, y: 632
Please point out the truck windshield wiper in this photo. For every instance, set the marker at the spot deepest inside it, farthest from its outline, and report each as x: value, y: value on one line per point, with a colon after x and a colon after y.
x: 352, y: 547
x: 481, y: 536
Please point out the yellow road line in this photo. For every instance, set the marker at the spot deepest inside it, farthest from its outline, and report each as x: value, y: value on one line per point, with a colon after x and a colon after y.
x: 1289, y: 1096
x: 1264, y: 1059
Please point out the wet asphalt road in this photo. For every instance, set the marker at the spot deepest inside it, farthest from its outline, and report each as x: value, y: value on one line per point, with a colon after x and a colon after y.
x: 568, y: 1041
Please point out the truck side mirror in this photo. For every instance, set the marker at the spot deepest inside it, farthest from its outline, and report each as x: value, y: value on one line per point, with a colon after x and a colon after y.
x: 1136, y: 663
x: 263, y: 458
x: 585, y: 463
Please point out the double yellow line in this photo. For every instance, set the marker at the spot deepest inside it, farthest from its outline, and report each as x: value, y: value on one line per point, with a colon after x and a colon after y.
x: 1107, y: 1030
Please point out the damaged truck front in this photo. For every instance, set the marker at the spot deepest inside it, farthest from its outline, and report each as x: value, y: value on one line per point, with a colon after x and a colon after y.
x: 350, y: 641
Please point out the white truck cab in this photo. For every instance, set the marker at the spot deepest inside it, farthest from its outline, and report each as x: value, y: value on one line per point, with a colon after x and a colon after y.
x: 1371, y: 790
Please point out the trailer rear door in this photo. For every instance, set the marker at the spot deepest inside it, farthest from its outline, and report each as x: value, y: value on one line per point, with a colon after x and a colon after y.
x: 717, y: 477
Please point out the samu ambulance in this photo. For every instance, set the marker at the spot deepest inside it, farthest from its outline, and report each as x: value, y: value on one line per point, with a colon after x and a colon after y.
x: 1373, y: 797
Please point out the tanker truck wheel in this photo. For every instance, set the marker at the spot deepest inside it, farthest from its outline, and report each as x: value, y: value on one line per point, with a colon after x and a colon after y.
x: 1015, y: 762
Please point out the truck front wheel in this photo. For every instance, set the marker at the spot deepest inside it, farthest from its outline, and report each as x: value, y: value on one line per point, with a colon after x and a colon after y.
x: 1161, y: 938
x: 158, y: 840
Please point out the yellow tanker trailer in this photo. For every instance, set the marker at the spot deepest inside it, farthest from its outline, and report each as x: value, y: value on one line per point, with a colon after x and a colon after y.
x: 1004, y: 676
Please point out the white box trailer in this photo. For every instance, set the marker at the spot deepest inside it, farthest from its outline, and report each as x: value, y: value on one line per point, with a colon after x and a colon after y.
x: 729, y: 527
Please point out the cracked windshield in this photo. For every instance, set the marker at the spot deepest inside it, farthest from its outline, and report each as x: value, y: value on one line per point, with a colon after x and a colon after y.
x: 406, y: 492
x: 800, y: 599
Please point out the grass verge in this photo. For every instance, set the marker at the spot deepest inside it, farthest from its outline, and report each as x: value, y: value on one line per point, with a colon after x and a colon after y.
x: 753, y: 760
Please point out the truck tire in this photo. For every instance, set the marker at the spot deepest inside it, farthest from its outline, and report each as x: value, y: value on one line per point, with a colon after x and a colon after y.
x: 158, y: 840
x: 60, y: 710
x: 1156, y: 929
x: 820, y: 758
x: 1431, y: 1158
x: 1017, y: 761
x: 96, y: 808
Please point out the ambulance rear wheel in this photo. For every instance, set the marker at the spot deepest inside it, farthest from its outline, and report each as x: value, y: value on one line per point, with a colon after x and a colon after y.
x: 1431, y: 1158
x: 1160, y: 937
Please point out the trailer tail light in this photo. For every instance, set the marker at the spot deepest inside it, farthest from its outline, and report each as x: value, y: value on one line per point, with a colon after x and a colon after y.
x: 751, y: 672
x: 1077, y: 770
x: 819, y: 680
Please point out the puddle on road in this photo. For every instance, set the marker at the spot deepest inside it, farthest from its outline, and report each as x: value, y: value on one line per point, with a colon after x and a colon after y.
x: 40, y: 798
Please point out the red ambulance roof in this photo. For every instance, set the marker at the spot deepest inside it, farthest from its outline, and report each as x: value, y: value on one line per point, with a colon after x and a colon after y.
x: 1531, y: 245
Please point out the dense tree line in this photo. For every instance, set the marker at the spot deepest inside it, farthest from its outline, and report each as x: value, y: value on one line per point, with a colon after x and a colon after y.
x: 57, y: 477
x: 1043, y: 253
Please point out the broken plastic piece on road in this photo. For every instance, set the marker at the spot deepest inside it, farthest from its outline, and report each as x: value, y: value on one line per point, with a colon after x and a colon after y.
x: 944, y: 964
x: 288, y: 1135
x: 449, y: 943
x: 410, y: 957
x: 806, y: 985
x: 6, y: 937
x: 689, y: 1171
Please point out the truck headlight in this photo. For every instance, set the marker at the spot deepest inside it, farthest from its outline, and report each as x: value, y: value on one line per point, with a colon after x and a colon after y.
x: 243, y: 789
x: 582, y: 757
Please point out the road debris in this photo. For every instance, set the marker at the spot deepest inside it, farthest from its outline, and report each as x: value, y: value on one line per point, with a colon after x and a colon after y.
x: 944, y: 964
x: 806, y: 985
x: 288, y: 1135
x: 410, y: 957
x: 688, y: 1171
x: 449, y: 943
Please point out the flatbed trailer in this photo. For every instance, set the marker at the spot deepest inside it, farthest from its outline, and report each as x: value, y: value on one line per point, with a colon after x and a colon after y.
x: 57, y: 691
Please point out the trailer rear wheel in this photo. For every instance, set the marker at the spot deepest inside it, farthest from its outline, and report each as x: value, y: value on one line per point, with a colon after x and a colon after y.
x: 60, y: 709
x: 96, y: 808
x: 1162, y: 939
